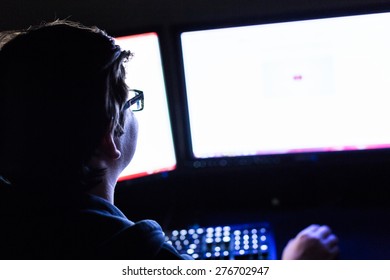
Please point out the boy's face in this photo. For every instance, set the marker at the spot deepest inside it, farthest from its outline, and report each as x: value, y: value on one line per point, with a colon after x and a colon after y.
x: 128, y: 141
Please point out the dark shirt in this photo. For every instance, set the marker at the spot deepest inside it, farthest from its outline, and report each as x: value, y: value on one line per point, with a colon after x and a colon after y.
x: 42, y: 226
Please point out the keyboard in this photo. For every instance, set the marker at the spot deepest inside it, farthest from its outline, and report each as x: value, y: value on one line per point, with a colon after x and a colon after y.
x: 230, y: 242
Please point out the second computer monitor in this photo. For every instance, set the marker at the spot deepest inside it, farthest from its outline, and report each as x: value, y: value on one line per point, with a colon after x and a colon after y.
x: 155, y: 149
x: 290, y: 87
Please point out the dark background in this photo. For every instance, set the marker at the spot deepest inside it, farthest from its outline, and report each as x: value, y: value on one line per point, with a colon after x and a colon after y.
x: 349, y: 195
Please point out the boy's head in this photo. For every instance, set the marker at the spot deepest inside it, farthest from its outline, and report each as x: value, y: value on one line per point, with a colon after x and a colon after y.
x: 62, y: 88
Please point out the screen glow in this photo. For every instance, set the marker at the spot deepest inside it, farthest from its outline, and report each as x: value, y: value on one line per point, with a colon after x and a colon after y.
x: 303, y: 86
x: 155, y: 151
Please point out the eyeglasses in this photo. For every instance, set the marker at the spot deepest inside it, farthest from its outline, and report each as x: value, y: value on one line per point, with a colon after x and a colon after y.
x: 136, y: 101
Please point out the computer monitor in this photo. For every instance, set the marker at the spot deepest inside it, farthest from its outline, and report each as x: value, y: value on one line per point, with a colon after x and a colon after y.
x: 155, y: 149
x: 314, y: 86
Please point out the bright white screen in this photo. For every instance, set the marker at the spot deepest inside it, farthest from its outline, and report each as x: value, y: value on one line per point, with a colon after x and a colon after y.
x: 155, y: 150
x: 314, y: 85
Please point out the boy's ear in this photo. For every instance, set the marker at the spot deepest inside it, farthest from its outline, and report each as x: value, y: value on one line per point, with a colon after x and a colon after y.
x: 109, y: 147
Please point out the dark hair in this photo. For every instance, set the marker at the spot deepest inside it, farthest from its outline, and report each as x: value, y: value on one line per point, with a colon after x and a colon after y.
x: 62, y: 87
